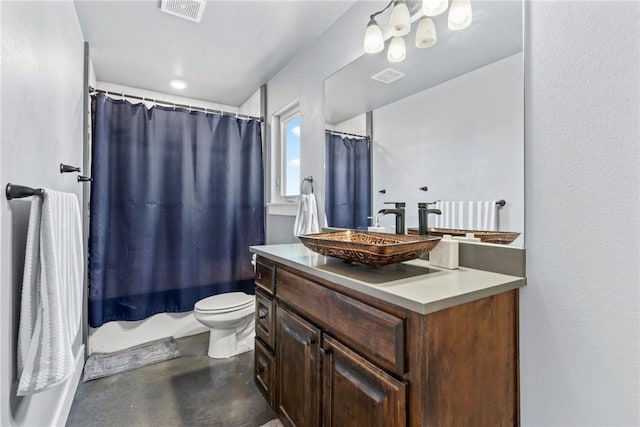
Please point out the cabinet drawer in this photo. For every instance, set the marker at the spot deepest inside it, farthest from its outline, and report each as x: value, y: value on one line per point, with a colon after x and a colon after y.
x: 377, y: 334
x: 265, y: 371
x: 264, y: 276
x: 265, y: 318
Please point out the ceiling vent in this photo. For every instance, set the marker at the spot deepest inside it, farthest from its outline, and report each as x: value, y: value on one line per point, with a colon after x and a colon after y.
x: 388, y: 75
x: 187, y: 9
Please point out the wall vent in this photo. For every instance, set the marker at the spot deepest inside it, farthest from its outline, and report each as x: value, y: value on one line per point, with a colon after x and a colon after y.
x: 388, y: 75
x: 187, y: 9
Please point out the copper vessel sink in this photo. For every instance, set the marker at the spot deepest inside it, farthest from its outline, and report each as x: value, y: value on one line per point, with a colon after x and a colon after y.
x: 501, y: 237
x: 374, y: 249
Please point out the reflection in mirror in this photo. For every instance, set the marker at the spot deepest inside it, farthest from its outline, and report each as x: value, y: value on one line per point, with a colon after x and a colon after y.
x: 347, y: 179
x: 446, y: 126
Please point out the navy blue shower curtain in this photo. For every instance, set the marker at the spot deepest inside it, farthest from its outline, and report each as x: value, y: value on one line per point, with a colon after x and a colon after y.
x: 348, y: 181
x: 176, y: 201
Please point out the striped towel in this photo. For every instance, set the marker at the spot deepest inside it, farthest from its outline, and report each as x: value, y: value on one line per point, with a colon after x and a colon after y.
x: 51, y: 304
x: 469, y: 215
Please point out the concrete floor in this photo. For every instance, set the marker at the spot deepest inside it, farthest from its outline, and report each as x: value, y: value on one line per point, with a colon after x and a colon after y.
x: 192, y: 390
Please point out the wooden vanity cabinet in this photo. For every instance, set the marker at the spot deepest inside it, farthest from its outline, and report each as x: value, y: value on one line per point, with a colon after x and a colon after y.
x: 338, y: 358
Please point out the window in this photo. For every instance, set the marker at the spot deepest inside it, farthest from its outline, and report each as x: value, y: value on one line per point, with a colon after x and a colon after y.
x: 290, y: 170
x: 285, y: 161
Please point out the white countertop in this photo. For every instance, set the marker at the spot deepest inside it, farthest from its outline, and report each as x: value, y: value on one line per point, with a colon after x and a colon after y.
x: 414, y: 285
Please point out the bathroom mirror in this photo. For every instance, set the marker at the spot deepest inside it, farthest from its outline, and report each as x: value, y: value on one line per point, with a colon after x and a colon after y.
x: 446, y: 124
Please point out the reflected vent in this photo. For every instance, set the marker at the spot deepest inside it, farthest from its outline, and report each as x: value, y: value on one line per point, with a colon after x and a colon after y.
x: 388, y: 75
x: 187, y: 9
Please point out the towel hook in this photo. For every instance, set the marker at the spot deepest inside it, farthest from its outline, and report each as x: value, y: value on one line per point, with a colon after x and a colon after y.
x: 308, y: 179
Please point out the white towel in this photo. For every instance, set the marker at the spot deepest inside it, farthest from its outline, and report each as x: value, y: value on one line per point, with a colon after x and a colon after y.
x: 307, y: 217
x: 467, y: 215
x: 51, y: 292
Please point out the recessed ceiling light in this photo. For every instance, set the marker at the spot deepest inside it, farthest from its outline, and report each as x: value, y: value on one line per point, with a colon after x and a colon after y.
x: 178, y: 84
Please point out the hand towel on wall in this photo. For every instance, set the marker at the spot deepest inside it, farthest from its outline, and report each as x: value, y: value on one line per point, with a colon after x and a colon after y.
x: 467, y: 215
x: 307, y: 217
x: 51, y: 304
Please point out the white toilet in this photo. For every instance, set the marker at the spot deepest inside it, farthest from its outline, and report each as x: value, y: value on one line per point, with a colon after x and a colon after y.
x: 230, y: 318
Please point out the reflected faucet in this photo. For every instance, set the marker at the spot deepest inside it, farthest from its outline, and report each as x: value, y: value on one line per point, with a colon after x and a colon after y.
x: 423, y: 213
x: 398, y: 212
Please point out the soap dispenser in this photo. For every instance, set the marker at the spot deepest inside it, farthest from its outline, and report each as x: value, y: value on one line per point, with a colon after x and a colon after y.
x: 445, y: 254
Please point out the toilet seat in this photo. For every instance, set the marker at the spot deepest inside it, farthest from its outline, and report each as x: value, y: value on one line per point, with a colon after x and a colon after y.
x: 224, y: 303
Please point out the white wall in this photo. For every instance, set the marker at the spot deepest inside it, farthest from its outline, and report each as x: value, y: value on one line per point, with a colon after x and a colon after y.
x: 128, y: 90
x: 579, y: 314
x: 41, y: 94
x: 303, y: 80
x: 463, y: 139
x: 356, y: 125
x: 251, y: 107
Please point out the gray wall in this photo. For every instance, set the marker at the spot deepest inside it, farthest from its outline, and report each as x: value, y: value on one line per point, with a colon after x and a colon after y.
x: 579, y: 315
x: 41, y: 97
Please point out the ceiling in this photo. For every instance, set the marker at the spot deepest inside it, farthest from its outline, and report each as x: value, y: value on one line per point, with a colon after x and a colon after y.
x: 237, y: 46
x: 495, y: 33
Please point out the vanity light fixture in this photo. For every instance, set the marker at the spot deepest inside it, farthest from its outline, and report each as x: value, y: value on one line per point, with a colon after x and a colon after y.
x: 460, y: 17
x: 426, y: 33
x: 400, y: 20
x: 397, y: 50
x: 178, y: 84
x: 460, y: 14
x: 373, y: 40
x: 434, y: 7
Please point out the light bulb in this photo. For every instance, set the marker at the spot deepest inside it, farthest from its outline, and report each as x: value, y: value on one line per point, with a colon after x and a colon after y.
x: 434, y: 7
x: 397, y: 50
x: 373, y: 40
x: 178, y: 84
x: 459, y: 14
x: 426, y: 33
x: 400, y: 20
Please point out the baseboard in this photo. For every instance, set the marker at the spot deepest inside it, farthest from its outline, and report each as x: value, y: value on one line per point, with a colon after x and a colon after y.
x: 63, y: 408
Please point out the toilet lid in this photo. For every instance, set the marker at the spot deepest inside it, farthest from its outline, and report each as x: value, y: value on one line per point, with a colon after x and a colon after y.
x: 225, y: 302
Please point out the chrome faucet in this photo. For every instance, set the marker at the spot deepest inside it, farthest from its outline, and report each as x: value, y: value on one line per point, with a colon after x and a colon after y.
x: 423, y: 213
x: 398, y: 212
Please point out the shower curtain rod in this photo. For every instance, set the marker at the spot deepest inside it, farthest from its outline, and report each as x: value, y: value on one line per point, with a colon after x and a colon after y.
x: 335, y: 132
x: 93, y: 91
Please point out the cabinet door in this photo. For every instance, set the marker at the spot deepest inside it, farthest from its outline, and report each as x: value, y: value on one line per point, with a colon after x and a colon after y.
x: 355, y: 393
x: 297, y: 370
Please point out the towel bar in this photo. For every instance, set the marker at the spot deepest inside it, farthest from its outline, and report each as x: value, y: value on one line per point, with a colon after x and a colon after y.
x: 66, y: 168
x: 20, y: 191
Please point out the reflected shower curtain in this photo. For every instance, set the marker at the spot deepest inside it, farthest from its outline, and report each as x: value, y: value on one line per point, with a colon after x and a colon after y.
x: 176, y: 201
x: 348, y: 181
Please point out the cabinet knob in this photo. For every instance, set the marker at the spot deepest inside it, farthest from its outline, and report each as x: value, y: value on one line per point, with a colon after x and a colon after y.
x: 262, y: 316
x: 259, y: 276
